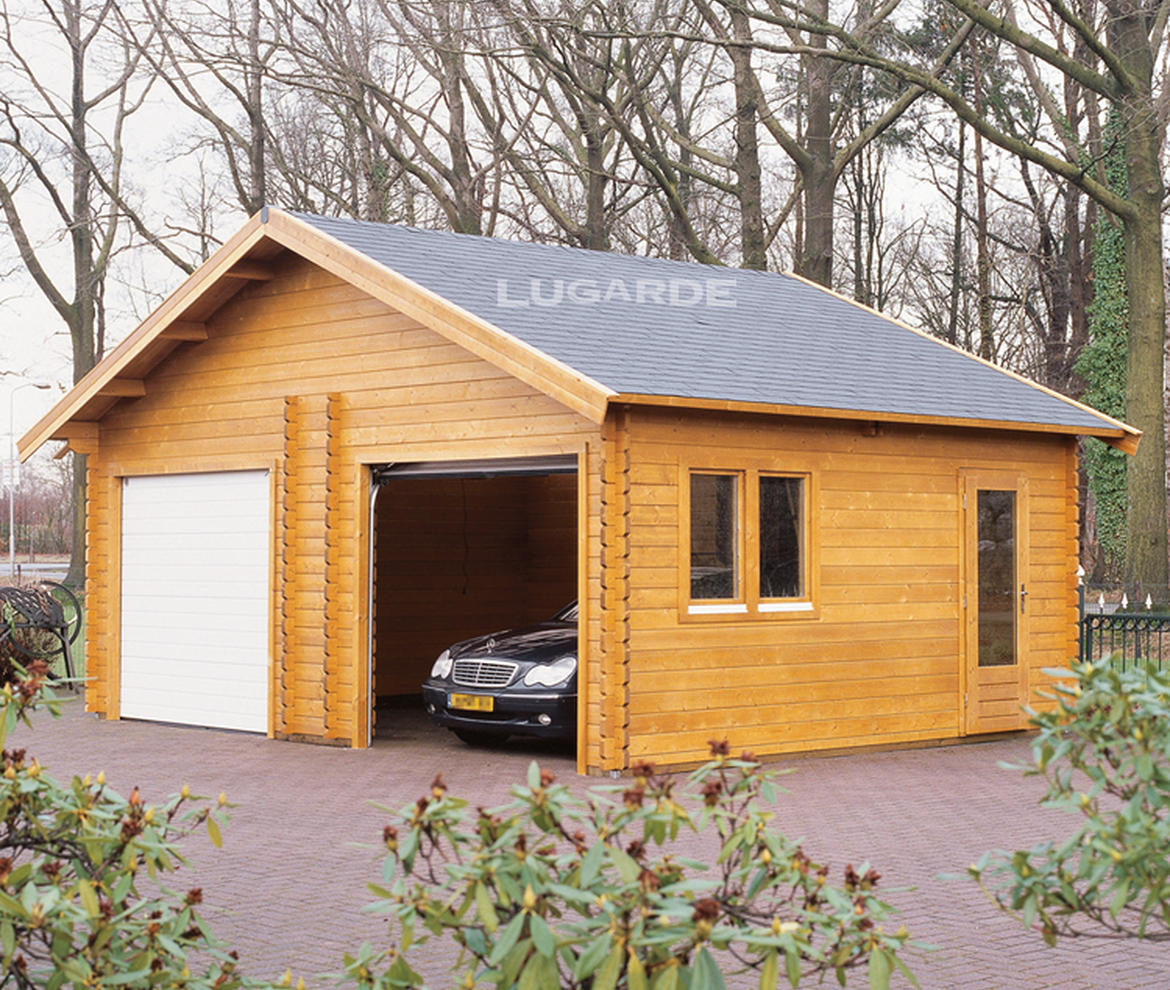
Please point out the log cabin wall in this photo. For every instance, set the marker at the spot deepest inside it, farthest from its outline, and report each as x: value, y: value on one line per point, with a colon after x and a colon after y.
x: 460, y: 557
x: 308, y: 377
x: 877, y: 659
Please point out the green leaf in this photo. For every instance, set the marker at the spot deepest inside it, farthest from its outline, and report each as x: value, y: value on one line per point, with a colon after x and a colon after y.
x: 792, y: 965
x: 607, y: 975
x: 507, y: 939
x: 542, y: 936
x: 89, y: 899
x: 627, y: 867
x: 666, y: 978
x: 7, y: 939
x: 636, y: 974
x: 591, y: 958
x: 485, y: 910
x: 591, y: 864
x: 533, y: 775
x: 1120, y: 898
x: 901, y: 967
x: 122, y: 979
x: 879, y: 970
x: 706, y: 972
x: 770, y: 971
x: 10, y: 719
x: 475, y: 940
x: 10, y: 905
x: 1028, y: 915
x: 540, y: 974
x: 213, y: 832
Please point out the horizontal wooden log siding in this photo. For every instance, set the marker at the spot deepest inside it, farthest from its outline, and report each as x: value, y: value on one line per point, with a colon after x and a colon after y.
x: 370, y: 386
x: 459, y: 557
x: 879, y: 662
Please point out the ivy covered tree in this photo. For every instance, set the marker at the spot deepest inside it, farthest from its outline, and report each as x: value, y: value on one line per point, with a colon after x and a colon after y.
x: 1102, y: 363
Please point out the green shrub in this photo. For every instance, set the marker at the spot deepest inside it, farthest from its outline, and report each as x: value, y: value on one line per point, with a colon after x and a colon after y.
x: 76, y: 861
x: 547, y: 891
x: 555, y: 891
x: 1104, y: 751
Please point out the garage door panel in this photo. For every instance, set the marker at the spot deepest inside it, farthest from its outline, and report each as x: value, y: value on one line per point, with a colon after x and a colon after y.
x: 228, y: 649
x: 167, y: 558
x: 164, y: 709
x: 195, y: 599
x: 192, y: 604
x: 181, y: 670
x: 242, y: 584
x: 237, y: 521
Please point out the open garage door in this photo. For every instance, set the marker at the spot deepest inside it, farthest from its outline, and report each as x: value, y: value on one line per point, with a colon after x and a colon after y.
x: 464, y: 548
x: 195, y: 599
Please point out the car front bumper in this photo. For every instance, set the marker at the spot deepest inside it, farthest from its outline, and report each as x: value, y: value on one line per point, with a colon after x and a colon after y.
x: 513, y: 712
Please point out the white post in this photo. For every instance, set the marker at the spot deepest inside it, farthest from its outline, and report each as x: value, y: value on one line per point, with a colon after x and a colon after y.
x: 12, y: 472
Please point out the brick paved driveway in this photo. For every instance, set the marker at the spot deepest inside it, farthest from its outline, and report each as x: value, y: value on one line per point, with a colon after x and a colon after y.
x: 287, y: 886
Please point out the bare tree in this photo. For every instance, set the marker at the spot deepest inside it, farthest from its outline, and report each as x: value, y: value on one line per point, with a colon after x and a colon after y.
x: 62, y: 145
x: 1116, y: 59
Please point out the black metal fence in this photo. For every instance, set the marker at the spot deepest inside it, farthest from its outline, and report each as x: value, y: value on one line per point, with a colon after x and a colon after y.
x: 1123, y: 634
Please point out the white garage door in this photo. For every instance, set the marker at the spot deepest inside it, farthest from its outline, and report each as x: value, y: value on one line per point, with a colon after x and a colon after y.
x: 195, y: 603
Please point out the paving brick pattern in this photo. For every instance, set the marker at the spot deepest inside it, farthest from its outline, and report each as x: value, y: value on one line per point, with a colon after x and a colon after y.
x: 288, y: 885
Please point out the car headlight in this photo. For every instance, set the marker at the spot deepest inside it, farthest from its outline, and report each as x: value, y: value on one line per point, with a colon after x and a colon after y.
x: 442, y: 666
x: 552, y: 674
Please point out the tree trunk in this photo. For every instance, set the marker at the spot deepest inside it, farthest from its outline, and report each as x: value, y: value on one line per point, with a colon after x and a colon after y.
x: 982, y: 254
x: 820, y: 183
x: 86, y: 277
x: 254, y: 83
x: 1146, y: 566
x: 753, y: 242
x: 1146, y: 569
x: 957, y: 241
x: 818, y: 175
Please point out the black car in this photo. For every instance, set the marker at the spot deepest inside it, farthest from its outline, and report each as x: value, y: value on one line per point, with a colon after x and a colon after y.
x: 518, y: 682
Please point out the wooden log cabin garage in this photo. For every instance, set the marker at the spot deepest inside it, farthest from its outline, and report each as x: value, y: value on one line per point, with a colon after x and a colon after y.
x: 340, y: 446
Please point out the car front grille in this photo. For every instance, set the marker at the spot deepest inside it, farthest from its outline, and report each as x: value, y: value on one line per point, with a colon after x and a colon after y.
x: 483, y: 673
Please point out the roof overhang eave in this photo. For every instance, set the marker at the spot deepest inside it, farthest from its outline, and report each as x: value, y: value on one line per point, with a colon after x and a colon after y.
x: 1113, y: 432
x: 75, y: 416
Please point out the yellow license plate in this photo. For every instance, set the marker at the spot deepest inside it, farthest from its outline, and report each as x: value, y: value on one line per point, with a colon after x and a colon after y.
x: 473, y: 702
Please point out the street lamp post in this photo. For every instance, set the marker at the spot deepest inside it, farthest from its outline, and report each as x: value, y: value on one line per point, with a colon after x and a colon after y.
x: 12, y: 468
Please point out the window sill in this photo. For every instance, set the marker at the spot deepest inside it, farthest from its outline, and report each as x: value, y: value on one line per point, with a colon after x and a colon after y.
x: 723, y: 608
x: 760, y: 611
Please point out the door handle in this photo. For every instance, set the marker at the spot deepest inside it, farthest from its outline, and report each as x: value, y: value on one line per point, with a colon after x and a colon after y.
x: 1023, y: 597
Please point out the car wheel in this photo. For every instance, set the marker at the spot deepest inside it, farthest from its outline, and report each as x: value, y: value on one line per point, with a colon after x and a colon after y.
x: 474, y: 738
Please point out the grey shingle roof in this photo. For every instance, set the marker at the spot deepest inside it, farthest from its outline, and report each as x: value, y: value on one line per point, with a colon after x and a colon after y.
x: 670, y: 328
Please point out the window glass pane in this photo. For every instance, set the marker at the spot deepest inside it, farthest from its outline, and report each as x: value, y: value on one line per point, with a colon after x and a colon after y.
x: 997, y: 578
x: 781, y: 529
x: 713, y: 536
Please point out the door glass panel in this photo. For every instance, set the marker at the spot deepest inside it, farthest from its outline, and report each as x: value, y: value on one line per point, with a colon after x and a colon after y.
x: 997, y: 578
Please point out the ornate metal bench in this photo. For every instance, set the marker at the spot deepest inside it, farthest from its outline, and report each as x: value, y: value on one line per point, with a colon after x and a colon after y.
x: 40, y: 621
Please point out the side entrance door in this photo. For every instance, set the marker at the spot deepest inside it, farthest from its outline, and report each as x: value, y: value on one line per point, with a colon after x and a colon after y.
x: 995, y: 600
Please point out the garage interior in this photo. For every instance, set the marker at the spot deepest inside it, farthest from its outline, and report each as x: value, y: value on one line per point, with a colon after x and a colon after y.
x: 462, y: 549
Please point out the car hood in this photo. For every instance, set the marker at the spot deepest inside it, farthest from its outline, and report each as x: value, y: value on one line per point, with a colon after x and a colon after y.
x: 541, y: 643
